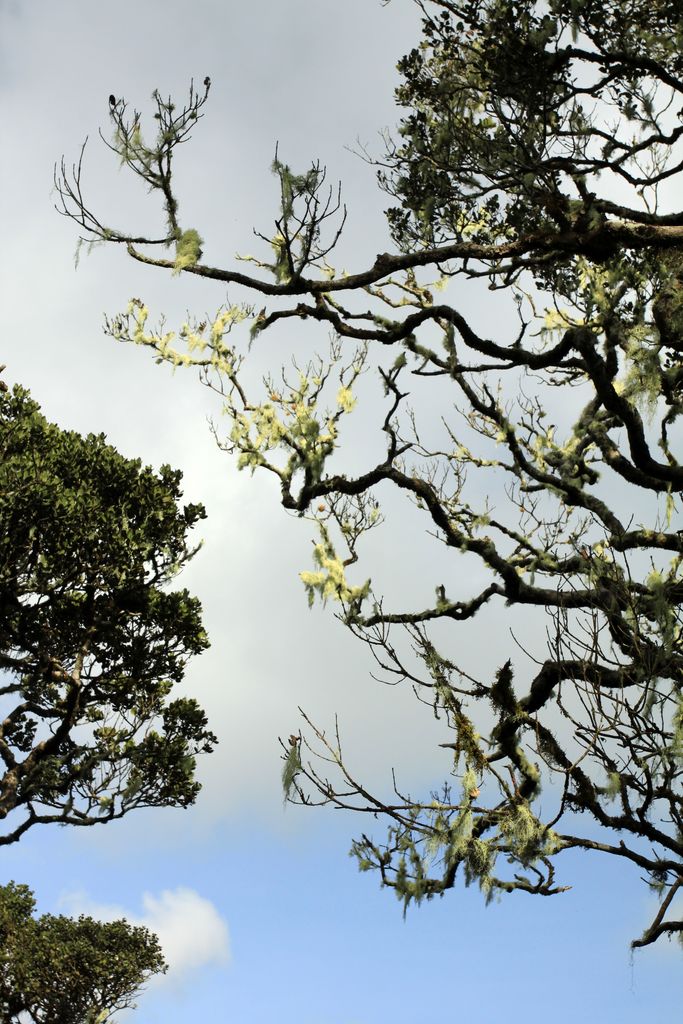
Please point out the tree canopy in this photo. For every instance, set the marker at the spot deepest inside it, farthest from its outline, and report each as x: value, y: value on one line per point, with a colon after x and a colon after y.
x: 92, y: 637
x: 537, y: 157
x: 57, y: 970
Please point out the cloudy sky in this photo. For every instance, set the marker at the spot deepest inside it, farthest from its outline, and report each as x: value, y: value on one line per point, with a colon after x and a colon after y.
x: 262, y: 914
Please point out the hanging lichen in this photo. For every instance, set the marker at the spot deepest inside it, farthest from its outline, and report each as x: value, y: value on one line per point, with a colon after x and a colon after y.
x: 188, y: 250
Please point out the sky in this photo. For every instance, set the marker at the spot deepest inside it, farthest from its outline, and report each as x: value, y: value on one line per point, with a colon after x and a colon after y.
x: 262, y: 914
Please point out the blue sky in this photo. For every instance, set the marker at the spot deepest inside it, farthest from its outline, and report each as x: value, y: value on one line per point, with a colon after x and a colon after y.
x: 313, y: 941
x: 265, y: 916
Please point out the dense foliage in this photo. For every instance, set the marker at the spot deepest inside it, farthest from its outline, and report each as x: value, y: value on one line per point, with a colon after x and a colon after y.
x: 538, y: 156
x: 92, y: 639
x: 57, y: 970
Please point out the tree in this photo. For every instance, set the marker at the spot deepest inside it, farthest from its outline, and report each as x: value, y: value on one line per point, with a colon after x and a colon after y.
x: 56, y: 970
x: 534, y: 157
x: 92, y: 640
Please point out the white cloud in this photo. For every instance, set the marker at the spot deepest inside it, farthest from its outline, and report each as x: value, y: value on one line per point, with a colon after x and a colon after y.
x: 189, y: 927
x: 191, y: 931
